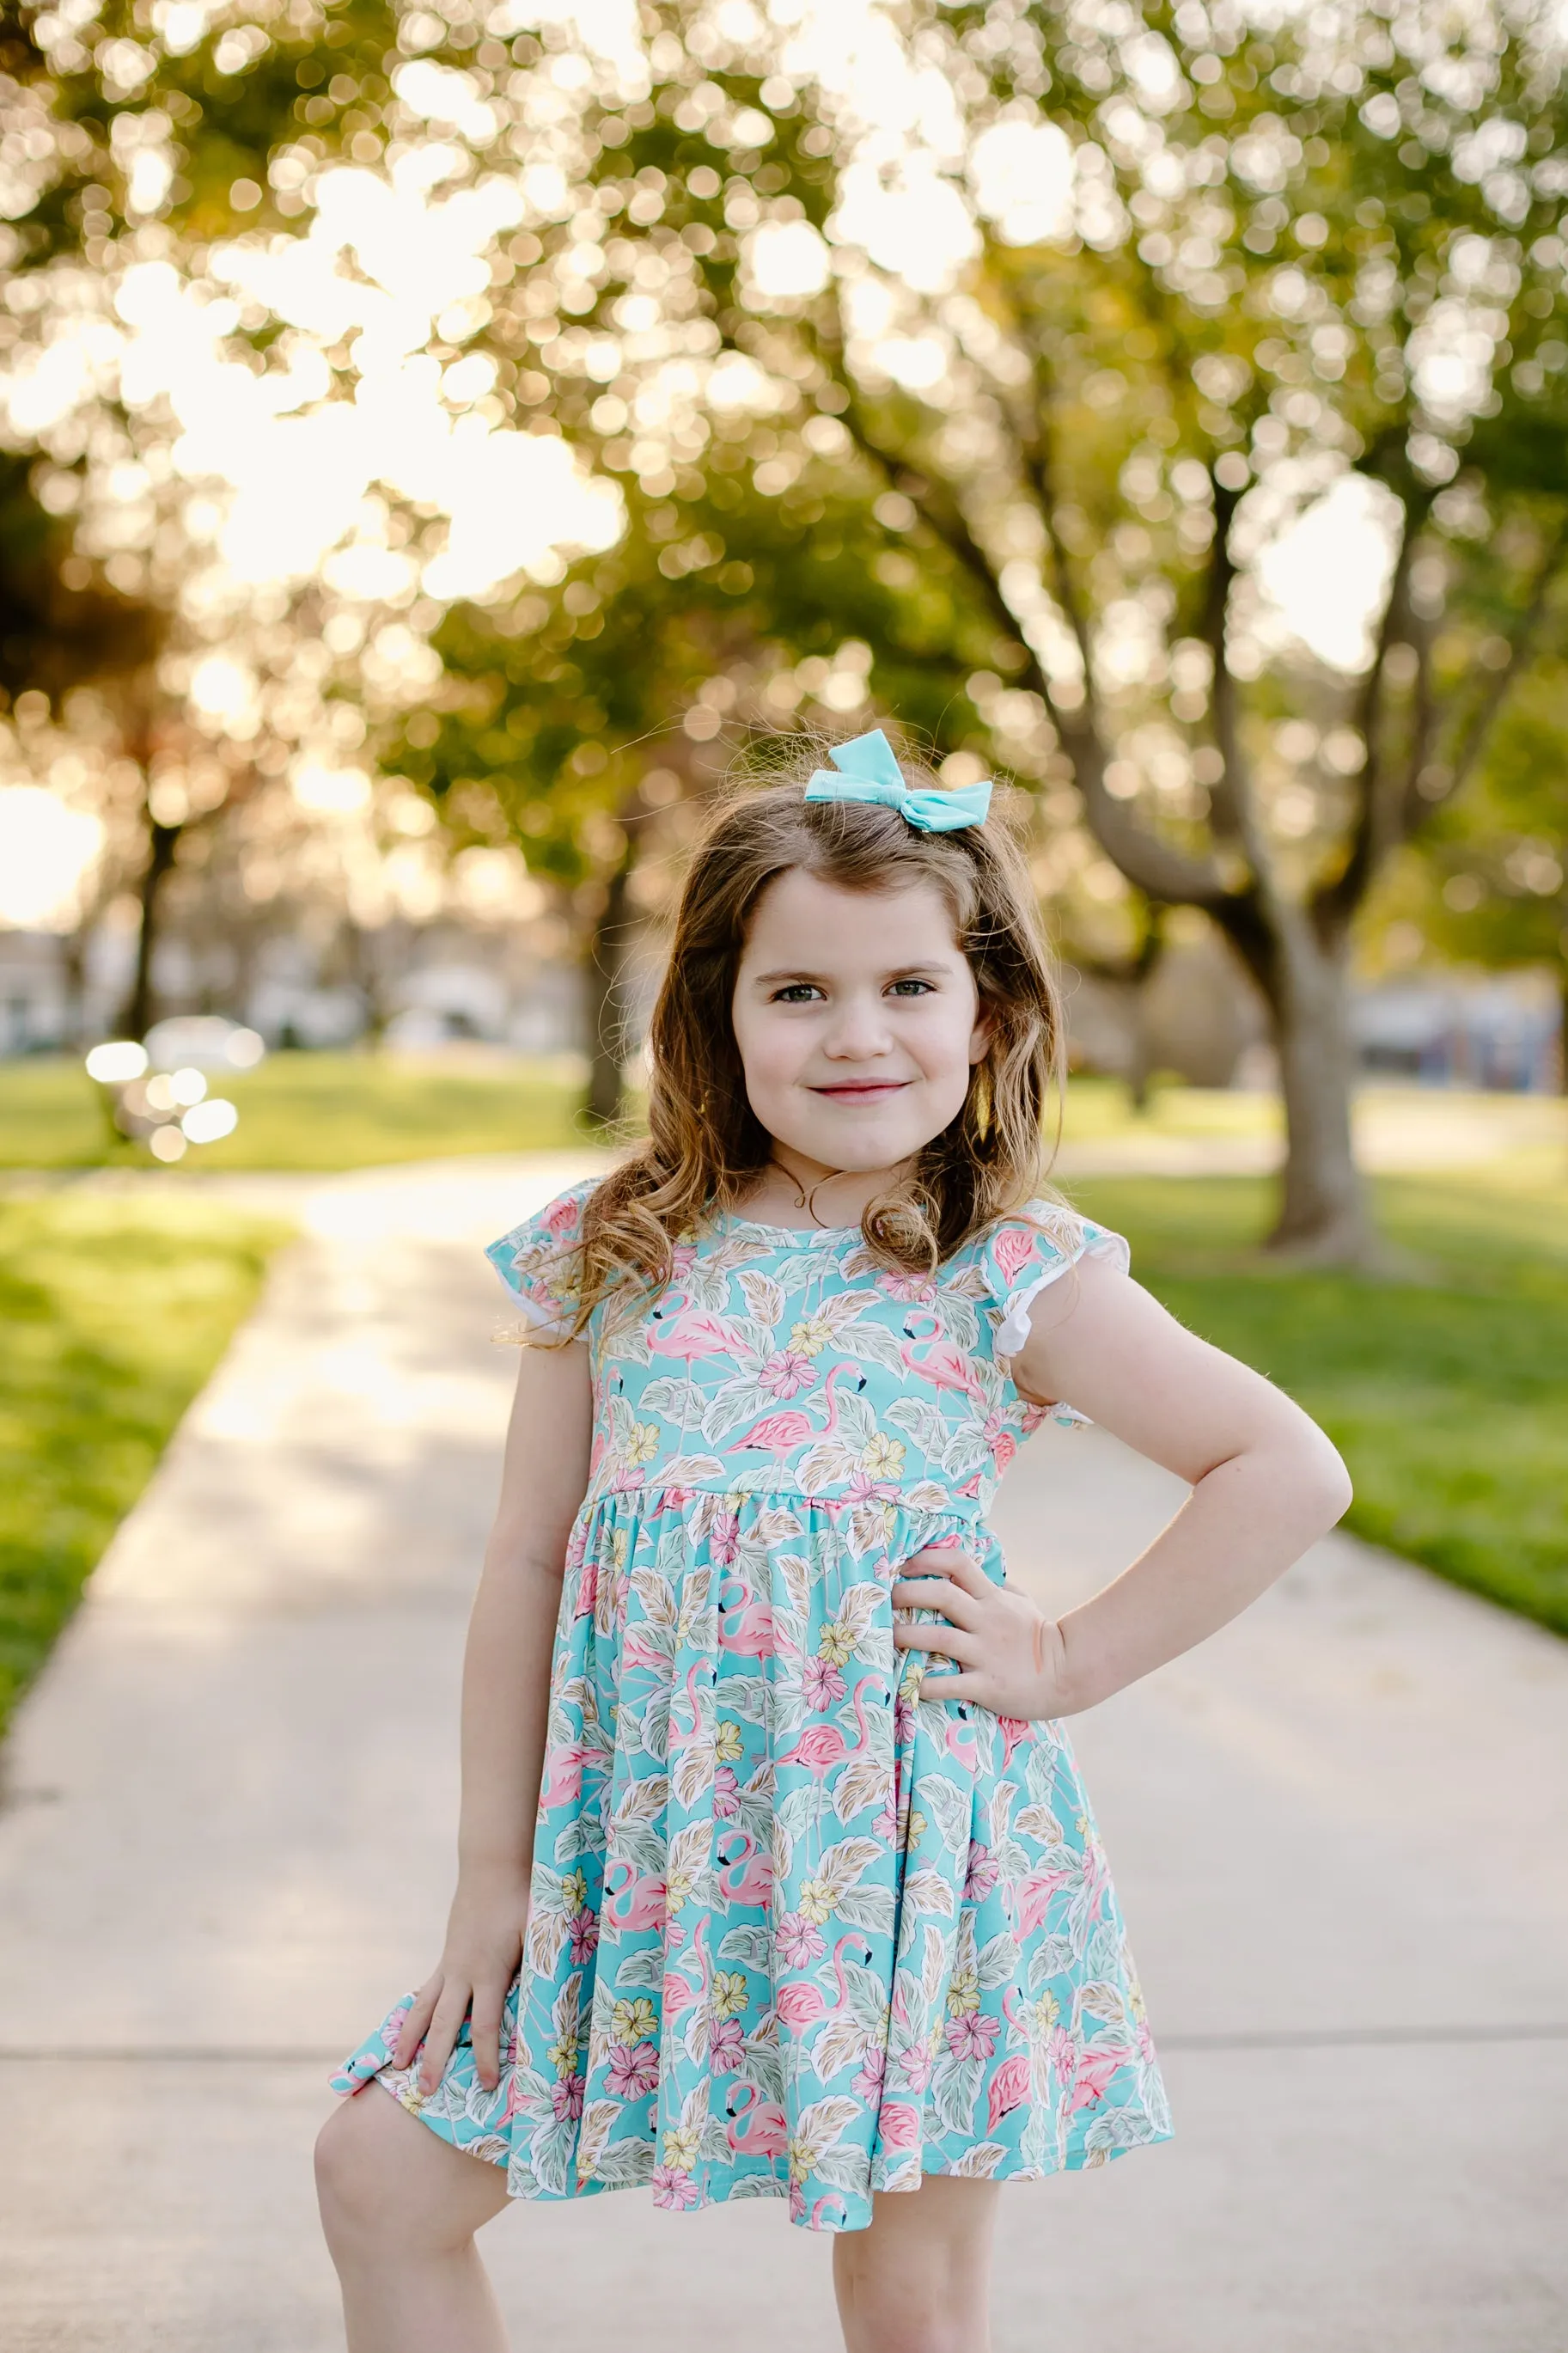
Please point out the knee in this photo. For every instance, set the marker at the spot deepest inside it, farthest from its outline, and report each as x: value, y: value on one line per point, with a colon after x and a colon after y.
x: 346, y: 2167
x: 925, y: 2310
x: 365, y: 2181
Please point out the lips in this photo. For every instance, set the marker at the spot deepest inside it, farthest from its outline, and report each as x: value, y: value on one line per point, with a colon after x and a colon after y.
x: 873, y: 1090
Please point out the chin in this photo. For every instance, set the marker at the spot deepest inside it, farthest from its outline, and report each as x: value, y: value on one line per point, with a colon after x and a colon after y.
x: 855, y: 1147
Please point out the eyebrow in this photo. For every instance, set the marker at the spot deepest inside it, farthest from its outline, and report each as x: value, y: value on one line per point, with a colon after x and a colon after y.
x: 801, y: 972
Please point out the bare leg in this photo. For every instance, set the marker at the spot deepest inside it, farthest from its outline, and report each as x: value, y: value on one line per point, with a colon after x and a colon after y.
x: 919, y: 2280
x: 400, y: 2207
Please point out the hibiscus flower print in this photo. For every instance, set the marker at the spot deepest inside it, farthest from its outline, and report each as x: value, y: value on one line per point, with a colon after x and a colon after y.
x: 631, y: 2022
x: 798, y: 1941
x: 982, y: 1874
x: 868, y: 2079
x: 633, y: 2069
x: 566, y: 2099
x: 726, y: 2046
x: 972, y: 2036
x: 722, y: 1682
x: 785, y: 1374
x: 730, y: 1993
x: 673, y: 2188
x: 963, y: 1989
x: 821, y: 1685
x: 883, y: 1458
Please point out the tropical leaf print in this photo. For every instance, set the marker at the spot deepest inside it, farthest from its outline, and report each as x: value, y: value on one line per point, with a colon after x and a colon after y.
x: 785, y: 1937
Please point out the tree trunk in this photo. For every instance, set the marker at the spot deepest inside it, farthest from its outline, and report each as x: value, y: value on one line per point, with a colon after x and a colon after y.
x: 606, y: 1013
x: 136, y: 1018
x: 1323, y: 1212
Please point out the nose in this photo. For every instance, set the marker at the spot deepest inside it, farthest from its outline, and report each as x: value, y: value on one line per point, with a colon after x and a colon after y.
x: 859, y: 1031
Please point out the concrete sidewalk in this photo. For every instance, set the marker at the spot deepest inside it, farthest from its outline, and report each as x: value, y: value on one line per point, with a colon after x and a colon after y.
x: 1337, y: 1832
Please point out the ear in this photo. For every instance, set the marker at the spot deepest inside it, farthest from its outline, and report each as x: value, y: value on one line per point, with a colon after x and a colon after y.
x: 980, y: 1037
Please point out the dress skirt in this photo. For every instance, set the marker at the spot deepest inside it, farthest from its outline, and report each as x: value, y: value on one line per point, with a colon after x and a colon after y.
x: 796, y: 1928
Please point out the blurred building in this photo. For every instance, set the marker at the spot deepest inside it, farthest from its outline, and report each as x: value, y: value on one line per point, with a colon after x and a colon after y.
x: 1500, y: 1031
x: 418, y: 986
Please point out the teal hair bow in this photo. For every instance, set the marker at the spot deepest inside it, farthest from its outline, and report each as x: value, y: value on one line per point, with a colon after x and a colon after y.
x: 870, y: 773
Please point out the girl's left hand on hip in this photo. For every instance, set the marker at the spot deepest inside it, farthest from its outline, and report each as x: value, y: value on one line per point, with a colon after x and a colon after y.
x: 1010, y: 1656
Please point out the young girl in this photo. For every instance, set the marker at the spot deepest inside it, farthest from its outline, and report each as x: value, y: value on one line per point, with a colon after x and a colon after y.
x: 776, y: 1874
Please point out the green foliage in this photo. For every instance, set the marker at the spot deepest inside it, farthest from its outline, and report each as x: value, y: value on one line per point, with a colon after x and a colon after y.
x: 1487, y: 884
x: 115, y: 1312
x: 53, y: 635
x: 559, y: 703
x: 263, y: 96
x: 1447, y: 1396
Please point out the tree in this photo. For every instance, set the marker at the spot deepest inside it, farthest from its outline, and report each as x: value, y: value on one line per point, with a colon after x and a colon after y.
x: 559, y: 707
x: 1486, y: 884
x: 125, y: 143
x: 1206, y: 273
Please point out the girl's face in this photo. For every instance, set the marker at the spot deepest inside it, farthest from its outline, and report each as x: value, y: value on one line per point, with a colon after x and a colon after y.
x: 858, y: 1020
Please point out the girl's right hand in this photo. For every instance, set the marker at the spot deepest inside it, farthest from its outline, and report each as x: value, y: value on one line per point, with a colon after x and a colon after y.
x: 472, y: 1979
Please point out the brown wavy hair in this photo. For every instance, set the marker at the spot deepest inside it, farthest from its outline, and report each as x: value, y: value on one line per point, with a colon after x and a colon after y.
x: 705, y: 1147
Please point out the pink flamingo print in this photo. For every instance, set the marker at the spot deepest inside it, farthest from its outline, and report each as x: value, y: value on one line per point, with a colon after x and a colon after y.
x: 749, y: 1879
x: 779, y: 1434
x: 1091, y: 2078
x: 692, y: 1333
x: 944, y: 1363
x: 680, y: 1742
x: 679, y: 1993
x: 1009, y: 2089
x: 562, y: 1780
x: 748, y: 1631
x: 637, y: 1903
x: 1014, y: 1728
x: 821, y: 1747
x: 1035, y: 1896
x: 962, y: 1743
x: 899, y: 2124
x: 760, y: 2125
x: 803, y: 2004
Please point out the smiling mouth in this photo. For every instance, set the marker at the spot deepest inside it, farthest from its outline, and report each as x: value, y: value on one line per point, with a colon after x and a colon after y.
x: 862, y: 1090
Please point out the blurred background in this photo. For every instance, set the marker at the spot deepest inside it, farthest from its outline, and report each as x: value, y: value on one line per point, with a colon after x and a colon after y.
x: 438, y: 450
x: 439, y: 447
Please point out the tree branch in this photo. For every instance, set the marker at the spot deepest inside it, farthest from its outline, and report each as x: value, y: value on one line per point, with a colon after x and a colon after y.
x: 1472, y: 741
x: 1154, y: 867
x: 1377, y: 820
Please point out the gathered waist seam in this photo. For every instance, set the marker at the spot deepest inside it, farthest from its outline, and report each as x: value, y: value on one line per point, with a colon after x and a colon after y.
x: 958, y: 1507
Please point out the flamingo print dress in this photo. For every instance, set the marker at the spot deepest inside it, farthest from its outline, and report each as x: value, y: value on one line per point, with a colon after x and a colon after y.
x: 797, y: 1927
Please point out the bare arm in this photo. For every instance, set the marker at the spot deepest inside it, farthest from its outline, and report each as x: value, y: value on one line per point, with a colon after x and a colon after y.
x: 506, y: 1693
x: 1265, y: 1484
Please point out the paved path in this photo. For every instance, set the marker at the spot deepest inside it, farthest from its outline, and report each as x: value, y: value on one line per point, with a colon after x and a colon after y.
x: 1336, y: 1830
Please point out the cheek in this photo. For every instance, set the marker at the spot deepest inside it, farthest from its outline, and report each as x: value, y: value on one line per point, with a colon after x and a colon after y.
x: 768, y: 1058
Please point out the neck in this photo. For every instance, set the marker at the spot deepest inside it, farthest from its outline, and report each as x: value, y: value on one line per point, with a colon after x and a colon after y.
x: 827, y: 1196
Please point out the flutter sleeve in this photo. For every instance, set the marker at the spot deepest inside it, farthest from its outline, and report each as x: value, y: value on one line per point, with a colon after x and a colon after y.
x: 537, y: 1261
x: 1028, y: 1251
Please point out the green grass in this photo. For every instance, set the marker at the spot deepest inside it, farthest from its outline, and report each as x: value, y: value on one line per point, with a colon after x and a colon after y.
x: 1446, y: 1390
x: 311, y: 1112
x: 115, y: 1312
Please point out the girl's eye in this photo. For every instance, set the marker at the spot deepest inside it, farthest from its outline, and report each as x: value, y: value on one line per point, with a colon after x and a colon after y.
x: 796, y: 992
x: 912, y: 988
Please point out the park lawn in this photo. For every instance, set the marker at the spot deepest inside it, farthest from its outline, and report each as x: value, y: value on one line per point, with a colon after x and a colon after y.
x: 115, y: 1312
x: 314, y: 1111
x: 1446, y: 1388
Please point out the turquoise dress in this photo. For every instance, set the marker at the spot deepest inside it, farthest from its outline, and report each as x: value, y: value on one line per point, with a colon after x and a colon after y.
x: 797, y: 1927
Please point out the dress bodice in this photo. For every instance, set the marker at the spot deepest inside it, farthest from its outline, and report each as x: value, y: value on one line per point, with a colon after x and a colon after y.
x: 794, y: 1362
